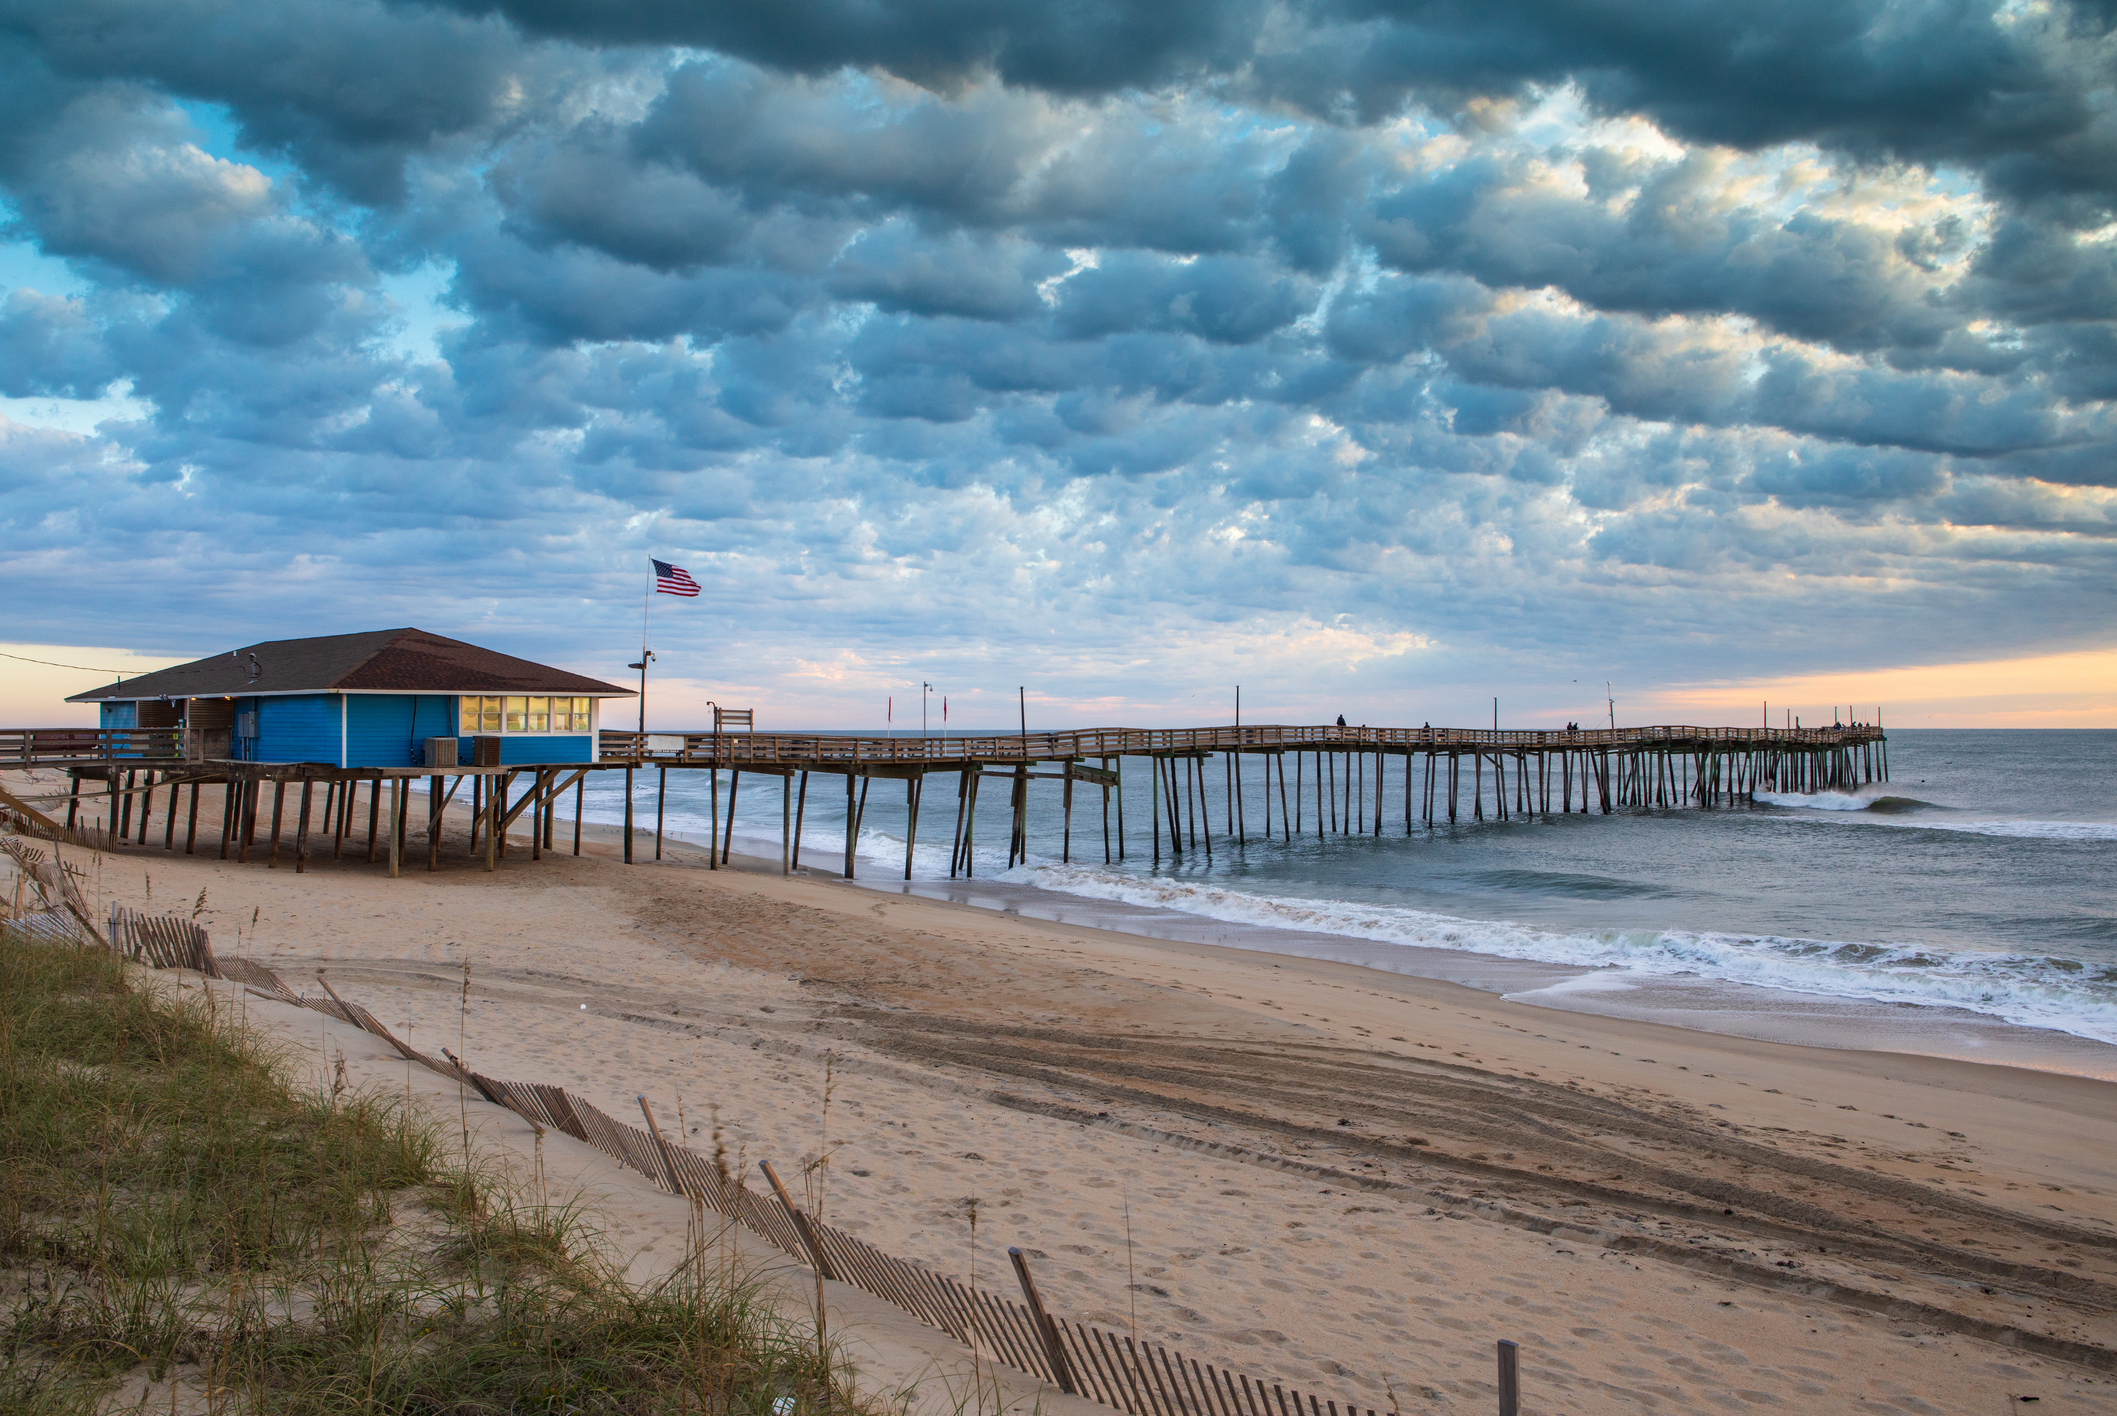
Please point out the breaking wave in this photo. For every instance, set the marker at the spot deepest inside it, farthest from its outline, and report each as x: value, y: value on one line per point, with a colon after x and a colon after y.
x: 2026, y: 989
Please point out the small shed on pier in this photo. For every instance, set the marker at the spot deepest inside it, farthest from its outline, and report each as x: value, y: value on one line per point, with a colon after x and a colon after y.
x: 363, y: 700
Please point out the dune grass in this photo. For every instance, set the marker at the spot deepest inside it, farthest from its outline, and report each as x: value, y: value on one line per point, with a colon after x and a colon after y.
x: 172, y: 1206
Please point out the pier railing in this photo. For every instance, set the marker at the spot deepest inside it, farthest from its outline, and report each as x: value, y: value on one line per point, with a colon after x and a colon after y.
x: 837, y: 751
x: 31, y: 747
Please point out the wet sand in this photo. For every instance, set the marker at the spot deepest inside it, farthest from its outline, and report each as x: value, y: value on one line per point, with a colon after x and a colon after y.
x: 1305, y: 1168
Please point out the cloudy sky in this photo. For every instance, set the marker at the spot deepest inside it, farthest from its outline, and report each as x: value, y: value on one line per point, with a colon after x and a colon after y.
x: 1380, y: 357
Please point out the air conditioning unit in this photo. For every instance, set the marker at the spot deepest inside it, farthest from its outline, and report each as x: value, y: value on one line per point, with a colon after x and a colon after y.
x: 438, y: 752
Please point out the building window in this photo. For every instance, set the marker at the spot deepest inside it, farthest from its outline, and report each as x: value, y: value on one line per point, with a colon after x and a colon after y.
x: 512, y: 713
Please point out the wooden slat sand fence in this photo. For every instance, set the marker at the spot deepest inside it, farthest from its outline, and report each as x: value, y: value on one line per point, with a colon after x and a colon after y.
x: 1138, y: 1376
x: 55, y: 881
x: 161, y: 941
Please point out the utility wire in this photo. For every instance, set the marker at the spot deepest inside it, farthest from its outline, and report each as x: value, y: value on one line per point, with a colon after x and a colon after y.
x: 84, y: 668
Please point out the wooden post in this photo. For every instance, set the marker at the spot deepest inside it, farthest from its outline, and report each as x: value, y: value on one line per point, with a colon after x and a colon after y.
x: 728, y: 841
x: 809, y: 1240
x: 301, y: 827
x: 374, y: 814
x: 1242, y: 826
x: 1378, y: 791
x: 955, y: 845
x: 801, y: 806
x: 628, y: 813
x: 1286, y: 831
x: 191, y: 821
x: 435, y: 801
x: 670, y: 1173
x: 477, y: 812
x: 1198, y: 771
x: 786, y: 825
x: 249, y: 810
x: 539, y: 808
x: 146, y: 807
x: 1018, y: 813
x: 852, y: 820
x: 1321, y: 829
x: 396, y: 826
x: 1106, y: 815
x: 121, y: 806
x: 176, y: 791
x: 1066, y: 839
x: 230, y: 826
x: 501, y: 781
x: 713, y: 822
x: 580, y: 785
x: 914, y: 788
x: 491, y: 813
x: 1510, y: 1380
x: 661, y: 792
x: 73, y: 801
x: 1046, y: 1330
x: 279, y: 805
x: 1120, y: 769
x: 970, y: 821
x: 1154, y: 766
x: 860, y: 814
x: 1176, y: 790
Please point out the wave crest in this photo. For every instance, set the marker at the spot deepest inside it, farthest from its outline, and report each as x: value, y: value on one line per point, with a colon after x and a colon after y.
x: 2065, y: 995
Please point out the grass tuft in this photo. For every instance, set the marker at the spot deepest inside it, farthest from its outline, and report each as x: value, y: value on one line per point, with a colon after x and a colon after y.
x: 170, y: 1205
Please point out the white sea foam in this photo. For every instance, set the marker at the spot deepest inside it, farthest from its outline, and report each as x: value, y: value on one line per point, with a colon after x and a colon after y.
x: 2029, y: 990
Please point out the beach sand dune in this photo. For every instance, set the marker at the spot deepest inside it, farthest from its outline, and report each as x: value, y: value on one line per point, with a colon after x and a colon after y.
x: 1311, y: 1171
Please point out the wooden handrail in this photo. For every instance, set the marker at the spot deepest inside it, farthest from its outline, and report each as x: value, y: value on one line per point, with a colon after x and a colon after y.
x: 35, y: 746
x: 846, y: 750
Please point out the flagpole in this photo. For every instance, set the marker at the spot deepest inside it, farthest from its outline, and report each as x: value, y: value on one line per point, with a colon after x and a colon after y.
x: 646, y: 602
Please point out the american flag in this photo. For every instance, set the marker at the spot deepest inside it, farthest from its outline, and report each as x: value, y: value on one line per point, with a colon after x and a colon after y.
x: 673, y: 579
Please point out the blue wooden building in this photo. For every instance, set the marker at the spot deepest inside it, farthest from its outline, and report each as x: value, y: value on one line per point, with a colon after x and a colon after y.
x: 363, y: 700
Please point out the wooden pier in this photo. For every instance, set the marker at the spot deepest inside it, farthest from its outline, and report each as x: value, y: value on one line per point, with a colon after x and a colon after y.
x: 1341, y: 782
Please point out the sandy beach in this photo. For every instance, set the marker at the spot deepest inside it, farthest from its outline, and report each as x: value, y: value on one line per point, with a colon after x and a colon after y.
x: 1303, y: 1168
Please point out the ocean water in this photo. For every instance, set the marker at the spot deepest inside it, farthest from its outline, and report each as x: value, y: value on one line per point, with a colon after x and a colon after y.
x: 1981, y: 880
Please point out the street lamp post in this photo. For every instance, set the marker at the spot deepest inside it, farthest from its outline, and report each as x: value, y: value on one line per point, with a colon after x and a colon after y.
x: 646, y: 657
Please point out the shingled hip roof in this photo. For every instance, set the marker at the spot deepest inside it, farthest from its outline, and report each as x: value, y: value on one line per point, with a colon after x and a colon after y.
x: 379, y: 661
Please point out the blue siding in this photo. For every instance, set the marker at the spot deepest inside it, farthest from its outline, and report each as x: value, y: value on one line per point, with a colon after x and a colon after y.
x: 536, y: 747
x: 120, y: 715
x: 298, y: 728
x: 388, y: 729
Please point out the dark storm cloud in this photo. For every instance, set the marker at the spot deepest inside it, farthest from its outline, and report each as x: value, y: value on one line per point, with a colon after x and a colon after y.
x: 1086, y: 48
x: 346, y: 89
x: 1522, y: 319
x: 1945, y: 80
